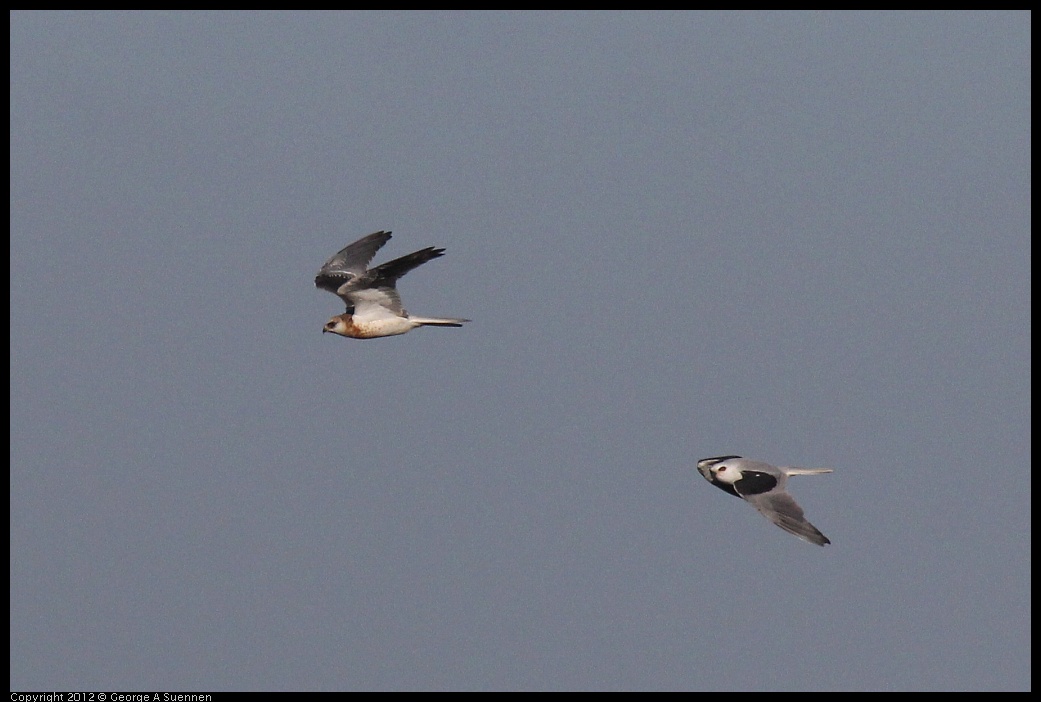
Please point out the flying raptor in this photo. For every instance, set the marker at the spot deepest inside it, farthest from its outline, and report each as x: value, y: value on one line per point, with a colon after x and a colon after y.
x: 763, y: 486
x: 373, y: 304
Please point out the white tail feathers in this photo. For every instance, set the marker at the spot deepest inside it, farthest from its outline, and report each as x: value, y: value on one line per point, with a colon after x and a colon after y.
x: 438, y: 322
x: 807, y: 471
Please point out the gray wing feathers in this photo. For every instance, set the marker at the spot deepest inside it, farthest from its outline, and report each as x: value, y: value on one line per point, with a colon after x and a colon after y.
x: 351, y: 261
x: 377, y: 285
x: 783, y: 511
x: 386, y: 274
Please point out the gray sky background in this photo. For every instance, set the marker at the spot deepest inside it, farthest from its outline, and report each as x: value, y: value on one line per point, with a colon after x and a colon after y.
x: 802, y: 238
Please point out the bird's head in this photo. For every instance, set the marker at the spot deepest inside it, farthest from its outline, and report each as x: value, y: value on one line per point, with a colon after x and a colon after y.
x: 336, y: 325
x: 720, y: 469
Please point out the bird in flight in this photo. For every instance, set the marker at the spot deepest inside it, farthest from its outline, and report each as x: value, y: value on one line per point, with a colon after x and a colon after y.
x: 373, y: 304
x: 763, y: 486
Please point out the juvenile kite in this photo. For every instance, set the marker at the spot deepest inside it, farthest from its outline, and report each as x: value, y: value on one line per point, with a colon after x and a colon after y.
x: 373, y: 304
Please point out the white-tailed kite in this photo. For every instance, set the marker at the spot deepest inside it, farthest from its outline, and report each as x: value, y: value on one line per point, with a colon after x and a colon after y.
x: 373, y: 304
x: 763, y: 486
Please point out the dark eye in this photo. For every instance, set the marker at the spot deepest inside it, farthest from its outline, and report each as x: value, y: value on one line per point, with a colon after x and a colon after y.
x: 721, y: 469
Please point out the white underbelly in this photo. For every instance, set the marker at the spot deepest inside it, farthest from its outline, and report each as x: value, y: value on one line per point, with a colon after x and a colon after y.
x: 386, y: 327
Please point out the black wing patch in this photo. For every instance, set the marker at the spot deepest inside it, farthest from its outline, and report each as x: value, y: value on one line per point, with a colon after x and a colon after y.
x: 753, y: 482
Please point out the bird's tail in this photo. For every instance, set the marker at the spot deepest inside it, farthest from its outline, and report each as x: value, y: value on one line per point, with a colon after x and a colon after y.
x: 438, y: 321
x: 807, y: 471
